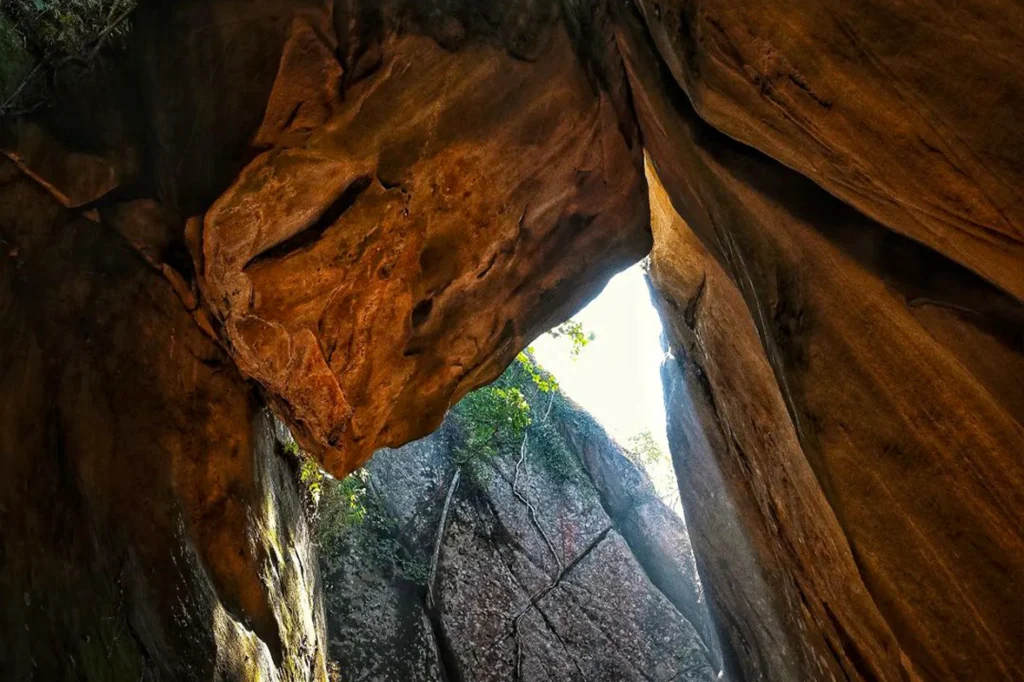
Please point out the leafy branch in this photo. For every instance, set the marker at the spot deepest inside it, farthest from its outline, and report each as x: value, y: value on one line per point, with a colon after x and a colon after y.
x: 573, y: 330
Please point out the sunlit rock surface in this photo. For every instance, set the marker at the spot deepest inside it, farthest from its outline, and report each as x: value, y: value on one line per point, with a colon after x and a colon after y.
x: 374, y: 266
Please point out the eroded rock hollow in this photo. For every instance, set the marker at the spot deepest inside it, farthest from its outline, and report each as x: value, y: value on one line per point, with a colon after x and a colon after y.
x: 346, y: 215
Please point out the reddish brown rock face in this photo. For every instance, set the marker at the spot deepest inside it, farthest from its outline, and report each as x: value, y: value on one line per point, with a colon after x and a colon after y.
x: 150, y: 528
x: 378, y: 263
x: 875, y: 521
x: 909, y: 112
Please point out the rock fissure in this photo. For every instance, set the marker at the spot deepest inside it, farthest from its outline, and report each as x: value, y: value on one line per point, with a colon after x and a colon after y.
x: 540, y: 594
x: 565, y: 648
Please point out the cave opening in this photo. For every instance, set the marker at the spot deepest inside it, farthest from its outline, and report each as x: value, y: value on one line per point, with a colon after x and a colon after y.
x: 546, y: 504
x: 617, y: 377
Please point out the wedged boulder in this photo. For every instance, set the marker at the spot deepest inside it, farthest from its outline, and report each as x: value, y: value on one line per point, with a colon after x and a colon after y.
x: 382, y: 260
x: 381, y: 202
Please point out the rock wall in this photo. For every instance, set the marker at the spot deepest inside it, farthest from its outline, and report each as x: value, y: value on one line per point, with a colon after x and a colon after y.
x: 846, y: 399
x: 351, y: 215
x: 149, y: 529
x: 567, y: 571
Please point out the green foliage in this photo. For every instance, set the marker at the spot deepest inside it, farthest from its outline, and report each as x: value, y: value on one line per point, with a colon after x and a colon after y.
x: 311, y: 478
x: 549, y: 447
x: 493, y: 421
x: 352, y: 518
x: 491, y: 418
x: 15, y: 60
x: 347, y: 516
x: 644, y: 450
x: 573, y: 330
x: 68, y: 28
x: 544, y: 381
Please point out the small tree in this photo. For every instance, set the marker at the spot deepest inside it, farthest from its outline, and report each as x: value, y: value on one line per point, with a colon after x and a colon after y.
x: 491, y: 417
x: 644, y: 450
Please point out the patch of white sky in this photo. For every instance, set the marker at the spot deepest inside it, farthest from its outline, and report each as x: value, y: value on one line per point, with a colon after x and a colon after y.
x: 616, y: 377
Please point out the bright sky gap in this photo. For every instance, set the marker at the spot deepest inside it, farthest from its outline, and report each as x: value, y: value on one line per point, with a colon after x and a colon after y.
x: 617, y: 376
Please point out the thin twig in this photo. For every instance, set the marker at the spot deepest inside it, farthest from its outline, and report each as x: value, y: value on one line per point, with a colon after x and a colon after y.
x: 110, y: 27
x: 100, y: 38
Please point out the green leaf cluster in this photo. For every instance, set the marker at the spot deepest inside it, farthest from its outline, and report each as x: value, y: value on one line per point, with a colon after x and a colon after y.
x: 494, y: 420
x: 310, y: 478
x: 544, y: 381
x: 37, y: 36
x: 644, y: 450
x: 67, y: 28
x: 15, y: 60
x: 573, y: 331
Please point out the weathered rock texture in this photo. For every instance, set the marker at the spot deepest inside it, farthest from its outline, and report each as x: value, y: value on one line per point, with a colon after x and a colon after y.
x: 909, y: 112
x: 149, y: 528
x: 379, y: 216
x: 354, y: 212
x: 845, y: 413
x: 353, y: 215
x: 401, y: 240
x: 614, y: 596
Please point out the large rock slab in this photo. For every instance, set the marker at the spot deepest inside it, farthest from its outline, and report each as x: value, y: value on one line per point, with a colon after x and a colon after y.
x: 604, y: 603
x: 532, y: 578
x: 150, y: 527
x: 908, y: 111
x: 397, y: 248
x: 903, y: 442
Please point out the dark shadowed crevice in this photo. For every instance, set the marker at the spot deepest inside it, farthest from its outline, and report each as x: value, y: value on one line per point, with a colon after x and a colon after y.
x: 449, y: 662
x: 314, y: 232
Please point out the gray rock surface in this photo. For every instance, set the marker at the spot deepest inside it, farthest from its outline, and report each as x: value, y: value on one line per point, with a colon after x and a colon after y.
x: 569, y: 572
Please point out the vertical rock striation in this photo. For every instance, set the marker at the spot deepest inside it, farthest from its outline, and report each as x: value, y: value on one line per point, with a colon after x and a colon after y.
x: 907, y: 112
x: 353, y: 213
